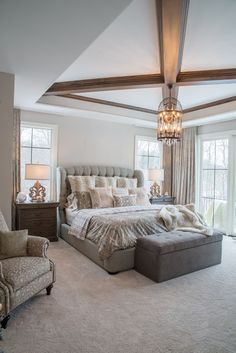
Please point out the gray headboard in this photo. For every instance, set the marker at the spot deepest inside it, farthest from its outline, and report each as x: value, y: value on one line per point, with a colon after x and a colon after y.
x: 63, y: 186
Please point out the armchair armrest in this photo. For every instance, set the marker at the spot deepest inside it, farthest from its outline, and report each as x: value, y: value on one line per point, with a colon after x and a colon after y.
x: 37, y: 246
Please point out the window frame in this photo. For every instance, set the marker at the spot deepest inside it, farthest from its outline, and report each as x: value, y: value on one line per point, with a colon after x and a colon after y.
x: 149, y: 139
x: 231, y: 180
x: 54, y: 129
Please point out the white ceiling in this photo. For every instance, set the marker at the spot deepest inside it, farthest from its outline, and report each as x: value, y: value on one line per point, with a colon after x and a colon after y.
x: 41, y: 38
x: 195, y: 95
x: 128, y: 46
x: 144, y: 97
x: 210, y: 41
x: 54, y: 40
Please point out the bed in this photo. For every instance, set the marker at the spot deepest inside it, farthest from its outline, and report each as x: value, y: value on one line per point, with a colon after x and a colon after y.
x: 120, y: 260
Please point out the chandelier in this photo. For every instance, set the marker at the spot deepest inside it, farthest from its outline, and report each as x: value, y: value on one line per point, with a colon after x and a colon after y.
x: 169, y: 120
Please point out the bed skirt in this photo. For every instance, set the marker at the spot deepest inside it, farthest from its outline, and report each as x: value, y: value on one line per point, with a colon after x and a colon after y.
x: 120, y: 260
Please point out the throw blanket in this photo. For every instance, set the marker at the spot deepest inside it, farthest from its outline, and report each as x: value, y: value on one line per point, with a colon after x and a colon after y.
x: 184, y: 218
x: 118, y: 228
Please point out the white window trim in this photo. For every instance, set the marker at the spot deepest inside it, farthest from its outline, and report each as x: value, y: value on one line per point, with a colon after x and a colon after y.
x: 231, y: 136
x: 149, y: 139
x: 54, y: 129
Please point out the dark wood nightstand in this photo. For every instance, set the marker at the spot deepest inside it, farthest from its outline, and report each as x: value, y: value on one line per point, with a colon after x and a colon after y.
x: 39, y: 218
x: 162, y: 200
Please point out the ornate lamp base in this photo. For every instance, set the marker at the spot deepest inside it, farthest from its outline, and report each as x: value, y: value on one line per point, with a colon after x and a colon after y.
x: 37, y: 192
x: 155, y: 190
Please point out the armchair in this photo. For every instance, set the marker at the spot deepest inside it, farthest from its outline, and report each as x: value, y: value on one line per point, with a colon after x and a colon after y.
x: 23, y: 277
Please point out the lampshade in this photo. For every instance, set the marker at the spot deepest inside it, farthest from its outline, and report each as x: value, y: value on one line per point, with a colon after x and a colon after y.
x: 156, y: 174
x: 37, y: 171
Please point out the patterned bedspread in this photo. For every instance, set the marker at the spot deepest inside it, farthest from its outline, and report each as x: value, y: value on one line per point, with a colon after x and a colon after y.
x: 117, y: 228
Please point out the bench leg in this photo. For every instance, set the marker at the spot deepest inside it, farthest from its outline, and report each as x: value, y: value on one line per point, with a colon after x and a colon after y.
x: 49, y: 289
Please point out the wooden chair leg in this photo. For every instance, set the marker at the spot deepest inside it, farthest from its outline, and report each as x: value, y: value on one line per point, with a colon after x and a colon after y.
x: 49, y: 289
x: 4, y: 322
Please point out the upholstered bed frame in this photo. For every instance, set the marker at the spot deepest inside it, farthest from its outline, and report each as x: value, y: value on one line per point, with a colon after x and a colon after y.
x: 120, y: 260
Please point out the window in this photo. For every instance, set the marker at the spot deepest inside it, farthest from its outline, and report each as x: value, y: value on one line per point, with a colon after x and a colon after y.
x: 38, y: 143
x: 216, y: 193
x: 148, y: 154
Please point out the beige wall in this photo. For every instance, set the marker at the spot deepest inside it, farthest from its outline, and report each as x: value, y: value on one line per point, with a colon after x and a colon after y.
x: 88, y: 141
x: 6, y: 137
x: 217, y: 127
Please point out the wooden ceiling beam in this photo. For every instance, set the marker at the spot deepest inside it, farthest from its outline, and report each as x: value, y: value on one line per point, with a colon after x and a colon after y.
x: 105, y: 84
x: 210, y: 104
x: 105, y: 102
x: 206, y: 77
x: 172, y: 20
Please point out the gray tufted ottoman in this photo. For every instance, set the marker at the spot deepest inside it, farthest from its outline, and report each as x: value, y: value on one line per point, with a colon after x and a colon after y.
x: 172, y: 254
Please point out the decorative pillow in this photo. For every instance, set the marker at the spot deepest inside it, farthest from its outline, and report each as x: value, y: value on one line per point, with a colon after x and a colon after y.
x: 13, y: 244
x: 101, y: 197
x: 101, y: 181
x: 122, y: 201
x: 120, y: 191
x: 142, y: 198
x: 127, y: 183
x: 79, y: 200
x: 81, y: 183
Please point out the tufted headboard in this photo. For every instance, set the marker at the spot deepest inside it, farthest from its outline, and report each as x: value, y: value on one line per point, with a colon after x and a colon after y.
x: 63, y: 186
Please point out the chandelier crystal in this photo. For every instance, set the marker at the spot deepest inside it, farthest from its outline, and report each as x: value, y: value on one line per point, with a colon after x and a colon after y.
x: 169, y: 120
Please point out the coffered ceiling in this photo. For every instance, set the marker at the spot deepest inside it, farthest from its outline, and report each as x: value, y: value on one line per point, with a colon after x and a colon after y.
x: 113, y: 59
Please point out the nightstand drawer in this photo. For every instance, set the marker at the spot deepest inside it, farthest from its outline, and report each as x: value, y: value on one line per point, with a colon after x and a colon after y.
x: 41, y: 213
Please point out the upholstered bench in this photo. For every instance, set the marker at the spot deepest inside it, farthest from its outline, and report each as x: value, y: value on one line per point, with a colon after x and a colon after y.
x: 172, y: 254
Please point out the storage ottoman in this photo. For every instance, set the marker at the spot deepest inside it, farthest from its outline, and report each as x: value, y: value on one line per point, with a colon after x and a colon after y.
x: 171, y: 254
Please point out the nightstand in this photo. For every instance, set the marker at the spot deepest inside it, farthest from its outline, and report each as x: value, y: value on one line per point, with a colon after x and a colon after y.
x: 39, y: 218
x: 162, y: 200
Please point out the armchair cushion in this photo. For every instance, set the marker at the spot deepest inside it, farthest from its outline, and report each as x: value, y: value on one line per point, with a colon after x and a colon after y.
x: 3, y: 225
x: 37, y: 246
x: 13, y: 243
x: 19, y: 271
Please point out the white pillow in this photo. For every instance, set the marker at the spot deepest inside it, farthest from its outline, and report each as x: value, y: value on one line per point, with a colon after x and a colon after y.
x: 127, y: 183
x: 81, y: 183
x: 142, y: 198
x: 102, y: 181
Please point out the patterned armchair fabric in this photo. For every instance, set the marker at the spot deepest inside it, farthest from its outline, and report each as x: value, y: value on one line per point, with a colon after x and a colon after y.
x: 23, y: 277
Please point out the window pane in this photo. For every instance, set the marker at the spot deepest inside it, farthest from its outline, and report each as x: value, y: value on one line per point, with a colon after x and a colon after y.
x: 208, y: 154
x: 41, y: 156
x: 221, y: 178
x: 207, y: 210
x: 26, y: 133
x: 154, y: 149
x: 42, y: 138
x: 25, y: 158
x: 207, y: 187
x: 143, y: 148
x: 154, y: 162
x: 142, y: 162
x: 222, y: 154
x: 220, y: 214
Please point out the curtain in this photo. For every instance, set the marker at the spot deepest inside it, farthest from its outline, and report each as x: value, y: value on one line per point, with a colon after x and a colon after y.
x: 16, y: 163
x: 167, y: 166
x: 183, y: 168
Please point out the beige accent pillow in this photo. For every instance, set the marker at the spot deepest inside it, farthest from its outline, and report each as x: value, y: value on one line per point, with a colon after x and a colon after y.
x: 101, y: 197
x: 13, y: 244
x: 81, y: 183
x: 102, y: 181
x: 120, y: 191
x: 142, y: 198
x: 123, y: 201
x: 79, y: 200
x: 127, y: 183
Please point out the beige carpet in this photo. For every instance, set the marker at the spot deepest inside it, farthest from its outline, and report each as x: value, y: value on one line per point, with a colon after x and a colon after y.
x: 90, y: 311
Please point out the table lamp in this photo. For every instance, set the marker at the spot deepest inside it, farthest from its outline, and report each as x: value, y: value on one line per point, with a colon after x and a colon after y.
x: 37, y: 172
x: 155, y: 175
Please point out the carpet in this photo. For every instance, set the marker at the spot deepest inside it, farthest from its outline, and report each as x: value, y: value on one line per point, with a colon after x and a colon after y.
x: 91, y: 311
